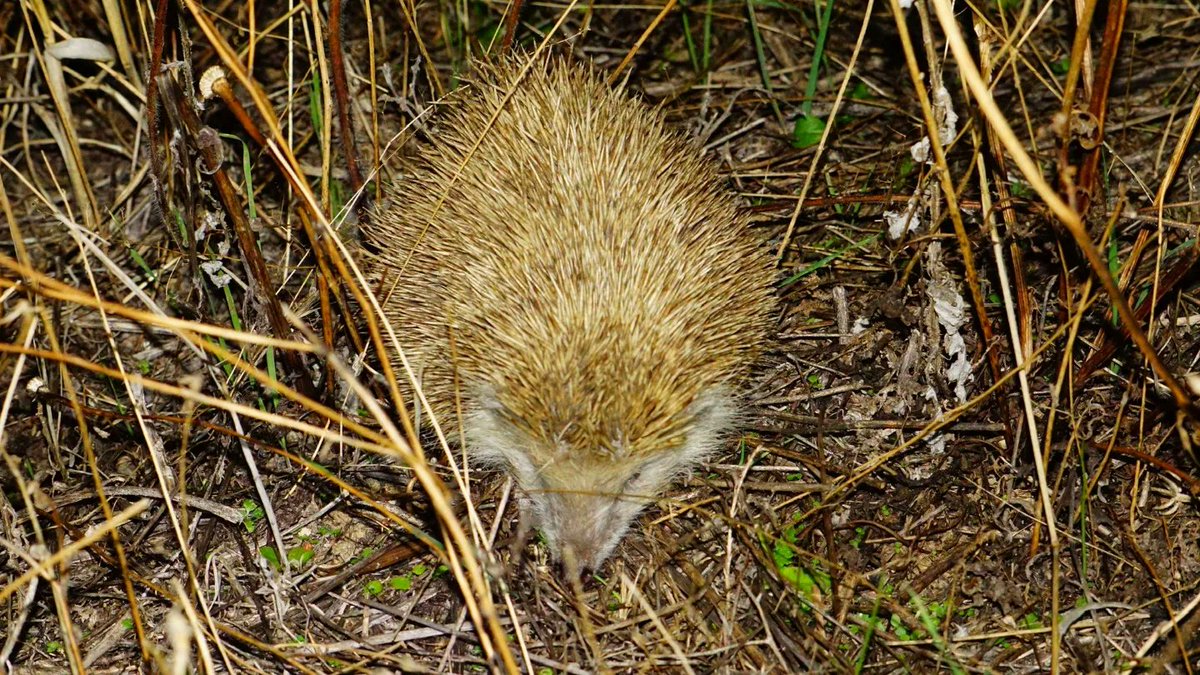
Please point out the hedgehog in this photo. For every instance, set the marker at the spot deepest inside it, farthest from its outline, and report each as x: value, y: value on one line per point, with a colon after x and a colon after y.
x: 573, y: 282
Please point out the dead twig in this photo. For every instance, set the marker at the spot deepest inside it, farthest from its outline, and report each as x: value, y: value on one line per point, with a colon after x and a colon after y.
x: 208, y: 143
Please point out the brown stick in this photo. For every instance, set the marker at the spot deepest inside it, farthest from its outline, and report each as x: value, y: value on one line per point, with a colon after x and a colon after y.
x: 222, y: 88
x: 341, y: 95
x: 1089, y: 171
x: 1179, y: 271
x: 157, y: 171
x: 205, y: 140
x: 1067, y: 177
x: 512, y: 20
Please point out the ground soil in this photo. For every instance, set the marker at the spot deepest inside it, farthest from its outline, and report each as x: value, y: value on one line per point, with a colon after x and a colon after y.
x: 957, y: 456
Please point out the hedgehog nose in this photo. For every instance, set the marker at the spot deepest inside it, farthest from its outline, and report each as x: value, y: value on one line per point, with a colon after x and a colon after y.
x: 569, y: 572
x: 578, y: 557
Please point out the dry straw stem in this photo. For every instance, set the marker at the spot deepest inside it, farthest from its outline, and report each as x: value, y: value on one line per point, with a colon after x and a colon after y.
x: 325, y: 133
x: 1068, y: 217
x: 461, y: 558
x: 45, y: 566
x: 819, y: 154
x: 950, y: 194
x: 197, y: 634
x: 946, y: 419
x: 64, y: 131
x: 637, y: 46
x: 658, y: 623
x: 120, y: 37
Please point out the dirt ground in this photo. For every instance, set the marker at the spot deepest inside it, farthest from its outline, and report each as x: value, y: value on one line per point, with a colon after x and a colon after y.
x: 969, y: 449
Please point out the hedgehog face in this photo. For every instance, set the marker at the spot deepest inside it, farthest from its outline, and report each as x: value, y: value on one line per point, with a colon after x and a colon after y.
x: 584, y: 500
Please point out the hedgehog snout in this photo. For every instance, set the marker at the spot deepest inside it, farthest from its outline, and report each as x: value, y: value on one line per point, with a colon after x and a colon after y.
x: 582, y: 529
x: 584, y: 499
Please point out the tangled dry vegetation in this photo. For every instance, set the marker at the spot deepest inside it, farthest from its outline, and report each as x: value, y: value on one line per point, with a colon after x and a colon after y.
x: 970, y: 449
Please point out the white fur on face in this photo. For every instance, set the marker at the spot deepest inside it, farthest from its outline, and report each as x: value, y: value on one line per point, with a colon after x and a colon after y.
x: 587, y: 504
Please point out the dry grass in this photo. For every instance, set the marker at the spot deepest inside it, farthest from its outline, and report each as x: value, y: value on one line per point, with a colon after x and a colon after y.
x: 191, y: 388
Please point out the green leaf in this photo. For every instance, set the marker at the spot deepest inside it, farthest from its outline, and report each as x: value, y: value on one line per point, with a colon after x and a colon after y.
x: 800, y: 579
x: 271, y: 556
x: 300, y: 556
x: 860, y: 535
x: 251, y: 514
x: 784, y: 555
x: 807, y: 131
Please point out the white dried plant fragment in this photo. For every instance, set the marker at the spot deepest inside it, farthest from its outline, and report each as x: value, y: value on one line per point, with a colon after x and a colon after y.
x: 937, y: 443
x: 900, y: 223
x: 212, y: 221
x: 920, y: 151
x: 944, y: 113
x: 946, y: 119
x: 217, y: 274
x: 210, y: 77
x: 84, y: 49
x: 179, y: 634
x: 950, y: 308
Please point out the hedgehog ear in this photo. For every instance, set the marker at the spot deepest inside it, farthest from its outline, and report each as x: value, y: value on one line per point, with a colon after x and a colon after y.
x: 487, y: 399
x: 493, y: 441
x: 714, y: 413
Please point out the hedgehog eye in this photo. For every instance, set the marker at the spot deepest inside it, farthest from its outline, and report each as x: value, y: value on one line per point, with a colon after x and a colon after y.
x: 527, y: 475
x: 636, y: 478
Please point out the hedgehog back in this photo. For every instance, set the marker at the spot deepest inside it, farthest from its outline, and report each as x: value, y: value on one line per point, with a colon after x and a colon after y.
x: 562, y: 257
